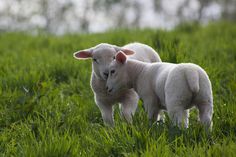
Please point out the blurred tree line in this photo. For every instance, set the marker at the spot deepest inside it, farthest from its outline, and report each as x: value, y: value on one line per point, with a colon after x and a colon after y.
x: 59, y: 16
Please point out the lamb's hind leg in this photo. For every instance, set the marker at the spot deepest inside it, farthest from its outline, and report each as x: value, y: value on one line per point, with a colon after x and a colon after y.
x: 205, y: 114
x: 161, y: 117
x: 178, y: 96
x: 178, y: 116
x: 129, y: 105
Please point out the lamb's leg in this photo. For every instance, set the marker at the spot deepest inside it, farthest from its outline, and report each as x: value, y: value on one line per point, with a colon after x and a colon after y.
x: 152, y: 108
x: 161, y: 117
x: 177, y: 97
x: 205, y: 114
x: 127, y: 111
x: 186, y: 118
x: 129, y: 105
x: 107, y: 113
x: 153, y: 113
x: 178, y: 116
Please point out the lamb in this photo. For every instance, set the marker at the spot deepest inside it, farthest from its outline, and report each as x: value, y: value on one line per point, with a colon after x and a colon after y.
x: 102, y: 55
x: 165, y: 86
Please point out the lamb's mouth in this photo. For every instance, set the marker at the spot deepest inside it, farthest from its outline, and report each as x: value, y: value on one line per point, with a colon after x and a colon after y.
x: 109, y: 90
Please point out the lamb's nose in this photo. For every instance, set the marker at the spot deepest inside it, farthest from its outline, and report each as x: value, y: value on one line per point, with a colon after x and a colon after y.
x: 105, y: 74
x: 109, y: 90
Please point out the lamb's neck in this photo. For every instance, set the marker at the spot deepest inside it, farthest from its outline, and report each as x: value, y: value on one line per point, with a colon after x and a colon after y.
x: 135, y: 70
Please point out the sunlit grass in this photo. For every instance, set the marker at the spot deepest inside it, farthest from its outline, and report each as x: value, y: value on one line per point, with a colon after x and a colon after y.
x: 47, y: 106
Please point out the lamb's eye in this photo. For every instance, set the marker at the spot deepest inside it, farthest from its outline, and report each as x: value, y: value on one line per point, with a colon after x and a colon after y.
x: 112, y: 71
x: 95, y: 60
x: 114, y: 57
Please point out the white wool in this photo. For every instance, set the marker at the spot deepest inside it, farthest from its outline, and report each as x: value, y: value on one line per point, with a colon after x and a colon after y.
x: 145, y: 53
x: 164, y: 86
x: 104, y: 55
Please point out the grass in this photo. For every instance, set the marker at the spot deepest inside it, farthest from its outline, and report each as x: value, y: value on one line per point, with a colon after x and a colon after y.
x: 47, y: 106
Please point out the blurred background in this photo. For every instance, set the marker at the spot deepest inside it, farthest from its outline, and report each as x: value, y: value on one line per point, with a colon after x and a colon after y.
x: 72, y: 16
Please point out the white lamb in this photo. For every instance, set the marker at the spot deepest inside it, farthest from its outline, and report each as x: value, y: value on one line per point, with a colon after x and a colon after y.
x: 165, y: 86
x: 102, y: 55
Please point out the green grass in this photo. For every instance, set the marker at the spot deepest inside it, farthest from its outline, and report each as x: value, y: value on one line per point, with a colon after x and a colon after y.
x: 47, y: 106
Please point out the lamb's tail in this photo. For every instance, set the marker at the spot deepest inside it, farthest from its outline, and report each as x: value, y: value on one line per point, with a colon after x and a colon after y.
x: 192, y: 77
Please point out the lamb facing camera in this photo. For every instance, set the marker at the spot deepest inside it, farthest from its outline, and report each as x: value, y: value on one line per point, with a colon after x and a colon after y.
x: 165, y: 86
x: 102, y: 55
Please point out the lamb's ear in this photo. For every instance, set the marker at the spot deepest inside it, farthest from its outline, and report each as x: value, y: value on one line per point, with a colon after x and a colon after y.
x: 121, y: 57
x: 127, y: 51
x: 83, y: 54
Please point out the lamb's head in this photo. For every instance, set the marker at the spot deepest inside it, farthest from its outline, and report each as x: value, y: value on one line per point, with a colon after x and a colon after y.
x: 118, y: 75
x: 102, y: 55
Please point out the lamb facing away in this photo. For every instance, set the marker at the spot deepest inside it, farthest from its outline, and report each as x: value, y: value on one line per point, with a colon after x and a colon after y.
x: 164, y: 86
x: 102, y: 55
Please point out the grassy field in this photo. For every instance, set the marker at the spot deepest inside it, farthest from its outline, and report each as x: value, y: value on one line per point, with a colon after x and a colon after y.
x: 47, y: 106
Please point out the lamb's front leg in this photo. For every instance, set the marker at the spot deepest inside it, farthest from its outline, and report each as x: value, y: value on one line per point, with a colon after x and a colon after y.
x: 128, y: 105
x: 152, y: 108
x: 107, y: 113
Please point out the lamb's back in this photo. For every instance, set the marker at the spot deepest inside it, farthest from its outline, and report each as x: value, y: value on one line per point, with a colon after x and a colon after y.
x: 143, y: 53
